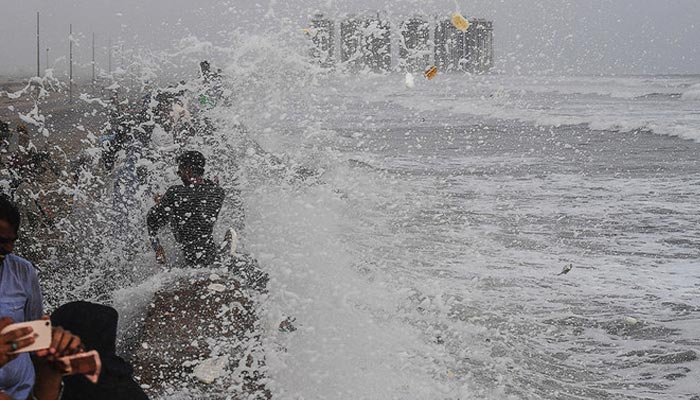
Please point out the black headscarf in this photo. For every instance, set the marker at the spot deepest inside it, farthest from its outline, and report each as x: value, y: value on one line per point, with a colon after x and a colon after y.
x: 96, y: 325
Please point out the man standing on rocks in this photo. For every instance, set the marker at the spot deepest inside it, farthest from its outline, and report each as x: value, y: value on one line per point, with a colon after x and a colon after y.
x: 191, y: 209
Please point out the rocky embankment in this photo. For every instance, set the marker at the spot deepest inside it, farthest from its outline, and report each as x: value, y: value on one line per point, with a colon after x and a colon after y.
x: 200, y: 336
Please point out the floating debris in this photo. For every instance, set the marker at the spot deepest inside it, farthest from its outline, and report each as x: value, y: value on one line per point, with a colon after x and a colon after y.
x: 288, y: 325
x: 409, y: 82
x: 566, y: 269
x: 459, y: 21
x: 431, y: 73
x: 631, y: 321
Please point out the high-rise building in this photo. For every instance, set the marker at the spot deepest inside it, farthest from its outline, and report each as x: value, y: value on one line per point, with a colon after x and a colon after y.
x: 365, y: 43
x: 376, y: 35
x: 470, y: 51
x: 414, y: 45
x: 482, y: 45
x: 323, y: 39
x: 351, y: 53
x: 450, y: 47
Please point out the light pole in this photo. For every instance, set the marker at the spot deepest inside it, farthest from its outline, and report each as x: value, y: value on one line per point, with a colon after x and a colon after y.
x: 109, y: 55
x: 70, y: 65
x: 38, y: 72
x: 93, y: 61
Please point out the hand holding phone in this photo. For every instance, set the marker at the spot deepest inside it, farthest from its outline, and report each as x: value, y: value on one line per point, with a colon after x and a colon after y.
x: 40, y: 332
x: 88, y: 364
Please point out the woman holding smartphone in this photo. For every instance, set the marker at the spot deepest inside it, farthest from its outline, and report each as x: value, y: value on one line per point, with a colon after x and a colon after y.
x: 21, y: 301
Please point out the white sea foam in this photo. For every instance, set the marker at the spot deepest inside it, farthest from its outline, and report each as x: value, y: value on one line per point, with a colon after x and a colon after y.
x: 416, y: 261
x: 693, y: 93
x: 664, y: 105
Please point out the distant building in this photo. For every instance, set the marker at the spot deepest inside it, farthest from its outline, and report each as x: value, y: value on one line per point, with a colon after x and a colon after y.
x: 323, y: 38
x: 365, y: 44
x: 481, y: 45
x: 450, y: 47
x: 377, y: 44
x: 414, y: 45
x: 470, y: 51
x: 351, y: 53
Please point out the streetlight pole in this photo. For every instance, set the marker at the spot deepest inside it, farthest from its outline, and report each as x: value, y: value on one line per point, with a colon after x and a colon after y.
x: 47, y: 58
x: 93, y: 61
x: 38, y: 72
x: 109, y: 55
x: 70, y: 65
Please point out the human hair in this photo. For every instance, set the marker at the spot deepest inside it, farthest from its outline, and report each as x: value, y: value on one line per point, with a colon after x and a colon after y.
x: 192, y: 160
x: 205, y: 67
x: 9, y: 212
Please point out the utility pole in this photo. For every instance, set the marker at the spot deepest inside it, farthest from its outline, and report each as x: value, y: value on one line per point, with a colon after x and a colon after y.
x: 109, y: 55
x: 38, y: 72
x: 93, y: 61
x: 47, y: 58
x: 70, y: 65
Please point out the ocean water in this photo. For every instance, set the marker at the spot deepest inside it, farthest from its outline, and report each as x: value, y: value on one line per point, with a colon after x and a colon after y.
x: 419, y: 251
x: 423, y: 261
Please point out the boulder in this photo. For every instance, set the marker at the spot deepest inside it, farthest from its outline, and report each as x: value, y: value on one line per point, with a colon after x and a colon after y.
x: 200, y: 335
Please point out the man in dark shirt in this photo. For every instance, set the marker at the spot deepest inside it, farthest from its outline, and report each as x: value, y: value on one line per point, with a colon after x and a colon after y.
x: 191, y: 209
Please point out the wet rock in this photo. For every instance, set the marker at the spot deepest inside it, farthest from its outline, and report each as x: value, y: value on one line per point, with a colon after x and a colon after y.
x: 248, y: 273
x: 201, y: 335
x: 209, y: 370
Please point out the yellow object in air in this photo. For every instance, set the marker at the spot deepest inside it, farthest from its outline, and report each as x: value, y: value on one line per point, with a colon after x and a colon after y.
x: 430, y: 73
x: 459, y: 22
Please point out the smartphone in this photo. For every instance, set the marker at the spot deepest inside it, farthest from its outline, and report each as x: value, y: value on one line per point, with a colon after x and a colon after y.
x: 41, y: 330
x: 88, y: 364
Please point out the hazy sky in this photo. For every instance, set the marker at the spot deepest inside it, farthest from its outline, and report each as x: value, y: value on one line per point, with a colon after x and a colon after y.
x: 580, y: 37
